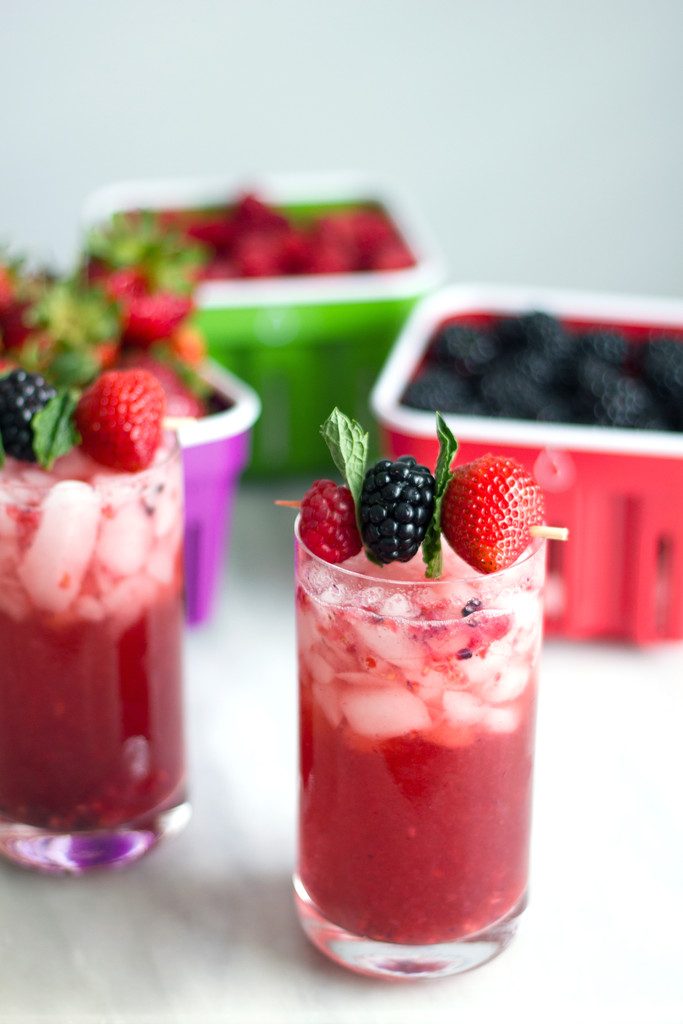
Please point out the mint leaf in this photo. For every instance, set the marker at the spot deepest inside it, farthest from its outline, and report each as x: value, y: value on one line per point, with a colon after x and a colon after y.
x: 431, y: 545
x: 2, y: 453
x: 348, y: 444
x: 54, y: 431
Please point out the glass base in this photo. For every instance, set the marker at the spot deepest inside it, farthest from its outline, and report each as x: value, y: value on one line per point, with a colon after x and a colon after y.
x: 393, y: 960
x: 77, y: 852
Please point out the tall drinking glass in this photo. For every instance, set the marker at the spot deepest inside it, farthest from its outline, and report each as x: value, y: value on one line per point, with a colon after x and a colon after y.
x: 92, y: 766
x: 417, y: 706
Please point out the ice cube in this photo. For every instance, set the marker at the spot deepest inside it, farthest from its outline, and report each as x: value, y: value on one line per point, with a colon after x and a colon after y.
x: 136, y: 756
x: 167, y: 507
x: 89, y: 608
x: 13, y: 600
x: 502, y: 719
x: 321, y: 671
x: 370, y: 599
x: 125, y: 538
x: 127, y: 600
x: 161, y: 564
x: 387, y: 639
x: 505, y: 684
x: 54, y: 565
x: 8, y: 523
x: 399, y: 606
x: 372, y: 678
x: 382, y: 713
x: 328, y: 699
x: 463, y: 708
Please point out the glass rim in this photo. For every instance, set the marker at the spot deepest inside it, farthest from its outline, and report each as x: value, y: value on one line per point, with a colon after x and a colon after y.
x: 14, y: 491
x: 536, y: 545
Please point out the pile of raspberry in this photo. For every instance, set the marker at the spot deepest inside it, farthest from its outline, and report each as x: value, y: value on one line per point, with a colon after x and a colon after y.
x: 254, y: 239
x: 533, y: 367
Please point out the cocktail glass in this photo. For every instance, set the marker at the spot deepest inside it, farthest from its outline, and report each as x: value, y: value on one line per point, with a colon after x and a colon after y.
x: 417, y: 707
x: 92, y: 766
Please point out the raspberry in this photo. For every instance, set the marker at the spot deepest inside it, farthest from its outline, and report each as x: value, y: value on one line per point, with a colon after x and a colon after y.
x: 328, y: 522
x: 120, y: 419
x: 396, y: 507
x: 22, y: 395
x: 487, y: 510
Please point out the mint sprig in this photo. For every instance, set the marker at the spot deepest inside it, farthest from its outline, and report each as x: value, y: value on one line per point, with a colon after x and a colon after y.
x: 54, y: 430
x: 348, y: 444
x: 431, y: 545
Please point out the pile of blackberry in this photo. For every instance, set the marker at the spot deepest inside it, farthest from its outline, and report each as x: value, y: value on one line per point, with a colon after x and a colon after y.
x: 531, y: 367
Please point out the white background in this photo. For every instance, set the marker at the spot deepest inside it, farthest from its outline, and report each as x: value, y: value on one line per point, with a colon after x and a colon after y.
x: 542, y: 141
x: 540, y: 138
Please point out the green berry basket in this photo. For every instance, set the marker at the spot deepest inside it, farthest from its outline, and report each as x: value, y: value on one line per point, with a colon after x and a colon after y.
x: 305, y: 343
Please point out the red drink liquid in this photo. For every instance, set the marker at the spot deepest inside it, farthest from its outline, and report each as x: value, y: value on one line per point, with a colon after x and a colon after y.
x: 91, y: 737
x: 417, y: 719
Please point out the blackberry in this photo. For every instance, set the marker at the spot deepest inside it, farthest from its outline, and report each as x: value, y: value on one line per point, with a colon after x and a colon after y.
x: 537, y: 331
x: 613, y: 399
x: 505, y: 392
x: 22, y: 395
x: 609, y: 346
x: 468, y: 350
x: 438, y: 389
x: 396, y: 507
x: 661, y: 364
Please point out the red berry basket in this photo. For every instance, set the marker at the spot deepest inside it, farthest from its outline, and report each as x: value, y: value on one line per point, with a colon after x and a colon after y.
x: 619, y: 491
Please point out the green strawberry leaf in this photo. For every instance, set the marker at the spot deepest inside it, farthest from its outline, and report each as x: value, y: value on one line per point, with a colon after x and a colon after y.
x: 431, y: 545
x: 54, y: 430
x: 2, y: 453
x: 73, y: 368
x: 348, y: 444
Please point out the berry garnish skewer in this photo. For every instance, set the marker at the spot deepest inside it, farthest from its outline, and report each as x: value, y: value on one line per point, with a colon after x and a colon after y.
x: 488, y: 510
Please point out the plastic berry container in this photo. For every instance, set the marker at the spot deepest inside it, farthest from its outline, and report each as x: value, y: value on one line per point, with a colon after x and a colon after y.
x: 619, y: 491
x: 215, y: 452
x: 305, y: 343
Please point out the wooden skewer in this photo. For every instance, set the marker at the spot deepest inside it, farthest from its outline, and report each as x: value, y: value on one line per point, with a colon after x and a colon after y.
x: 550, y: 532
x: 546, y: 532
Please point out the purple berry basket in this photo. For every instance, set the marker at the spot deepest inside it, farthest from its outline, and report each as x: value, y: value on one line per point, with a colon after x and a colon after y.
x: 215, y: 452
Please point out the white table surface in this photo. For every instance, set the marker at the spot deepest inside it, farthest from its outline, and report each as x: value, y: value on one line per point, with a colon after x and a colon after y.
x: 204, y: 930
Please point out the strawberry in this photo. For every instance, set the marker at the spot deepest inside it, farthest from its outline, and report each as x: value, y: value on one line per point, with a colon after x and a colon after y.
x: 125, y: 283
x: 120, y: 419
x: 151, y: 318
x: 175, y: 379
x: 218, y: 233
x: 258, y: 255
x: 392, y: 256
x: 487, y: 510
x: 251, y: 214
x: 219, y: 269
x: 328, y: 257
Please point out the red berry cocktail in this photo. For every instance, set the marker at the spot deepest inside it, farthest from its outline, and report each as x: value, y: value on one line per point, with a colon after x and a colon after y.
x: 417, y: 707
x: 92, y: 766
